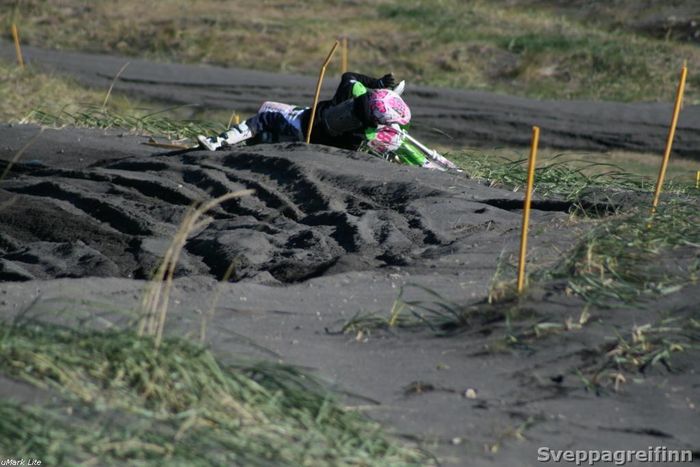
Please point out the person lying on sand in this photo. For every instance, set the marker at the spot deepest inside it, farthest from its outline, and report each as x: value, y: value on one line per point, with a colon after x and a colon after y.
x: 360, y: 102
x: 364, y: 114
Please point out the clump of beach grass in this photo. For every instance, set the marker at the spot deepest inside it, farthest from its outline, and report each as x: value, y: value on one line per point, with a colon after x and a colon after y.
x: 143, y: 122
x: 640, y: 349
x: 634, y: 255
x: 124, y: 400
x: 436, y: 313
x: 559, y: 175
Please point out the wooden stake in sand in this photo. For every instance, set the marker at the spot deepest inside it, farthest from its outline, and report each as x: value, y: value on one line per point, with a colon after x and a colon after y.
x: 669, y: 140
x: 18, y: 50
x: 526, y: 208
x: 344, y: 56
x: 235, y: 119
x: 318, y: 91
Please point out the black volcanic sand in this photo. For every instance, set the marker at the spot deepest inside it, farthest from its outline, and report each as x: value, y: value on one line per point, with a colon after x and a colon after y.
x: 97, y: 212
x: 447, y: 117
x: 87, y: 214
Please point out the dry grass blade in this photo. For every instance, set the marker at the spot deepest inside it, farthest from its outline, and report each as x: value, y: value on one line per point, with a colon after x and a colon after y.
x: 111, y: 86
x: 156, y: 300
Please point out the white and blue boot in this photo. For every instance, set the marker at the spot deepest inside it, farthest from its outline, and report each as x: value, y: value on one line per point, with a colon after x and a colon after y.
x: 236, y: 134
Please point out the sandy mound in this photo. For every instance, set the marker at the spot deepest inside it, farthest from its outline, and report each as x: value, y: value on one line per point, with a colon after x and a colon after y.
x: 315, y: 211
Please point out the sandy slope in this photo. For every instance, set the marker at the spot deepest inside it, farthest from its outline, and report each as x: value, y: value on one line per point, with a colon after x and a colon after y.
x: 328, y: 234
x: 442, y: 116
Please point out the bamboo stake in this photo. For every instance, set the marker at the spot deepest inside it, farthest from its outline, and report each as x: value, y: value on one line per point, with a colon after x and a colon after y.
x: 318, y: 91
x: 344, y: 56
x: 235, y: 118
x: 697, y: 179
x: 18, y: 49
x: 669, y: 140
x: 685, y: 65
x: 526, y: 208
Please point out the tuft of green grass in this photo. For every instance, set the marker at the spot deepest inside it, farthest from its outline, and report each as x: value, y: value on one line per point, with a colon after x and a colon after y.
x: 558, y: 175
x: 446, y: 317
x: 148, y: 123
x: 639, y: 350
x: 554, y: 177
x: 124, y: 400
x: 633, y: 255
x: 438, y: 314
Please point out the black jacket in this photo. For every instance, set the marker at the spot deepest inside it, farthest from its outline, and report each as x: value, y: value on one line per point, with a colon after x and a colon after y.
x: 350, y: 140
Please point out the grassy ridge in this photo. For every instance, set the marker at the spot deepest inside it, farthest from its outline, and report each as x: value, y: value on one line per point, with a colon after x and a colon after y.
x: 510, y: 47
x: 570, y: 174
x: 123, y: 400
